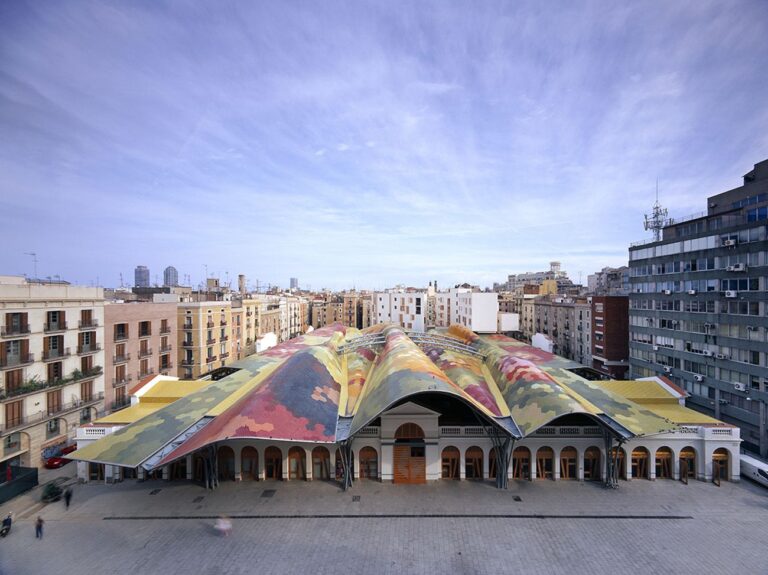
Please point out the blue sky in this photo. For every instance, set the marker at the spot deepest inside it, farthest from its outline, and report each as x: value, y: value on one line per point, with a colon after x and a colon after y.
x: 365, y: 144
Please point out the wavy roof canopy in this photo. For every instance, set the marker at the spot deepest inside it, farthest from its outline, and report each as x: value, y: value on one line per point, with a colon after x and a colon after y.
x: 327, y: 385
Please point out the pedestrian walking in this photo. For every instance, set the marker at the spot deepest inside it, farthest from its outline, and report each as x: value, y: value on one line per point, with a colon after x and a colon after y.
x: 39, y: 527
x: 68, y: 496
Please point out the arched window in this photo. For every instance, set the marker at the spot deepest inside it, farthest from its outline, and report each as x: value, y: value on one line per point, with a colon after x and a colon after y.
x: 226, y: 463
x: 640, y: 463
x: 249, y: 463
x: 687, y: 463
x: 409, y: 431
x: 369, y: 463
x: 473, y: 459
x: 592, y: 464
x: 568, y: 463
x: 720, y: 461
x: 450, y: 463
x: 664, y: 463
x: 273, y: 463
x: 544, y: 463
x: 521, y: 463
x: 297, y: 463
x: 321, y: 463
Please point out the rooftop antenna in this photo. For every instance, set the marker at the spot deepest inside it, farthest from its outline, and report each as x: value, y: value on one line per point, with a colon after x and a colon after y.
x: 655, y: 221
x: 34, y: 261
x: 121, y: 281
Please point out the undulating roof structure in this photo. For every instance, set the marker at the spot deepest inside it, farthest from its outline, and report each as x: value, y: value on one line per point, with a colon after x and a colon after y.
x: 326, y: 386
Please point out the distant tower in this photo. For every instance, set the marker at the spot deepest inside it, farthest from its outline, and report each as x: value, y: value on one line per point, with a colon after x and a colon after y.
x: 170, y: 277
x: 656, y: 220
x: 241, y: 286
x: 141, y: 276
x: 294, y: 283
x: 554, y: 267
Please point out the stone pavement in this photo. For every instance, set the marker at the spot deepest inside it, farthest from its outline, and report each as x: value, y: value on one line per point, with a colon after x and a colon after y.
x: 444, y: 527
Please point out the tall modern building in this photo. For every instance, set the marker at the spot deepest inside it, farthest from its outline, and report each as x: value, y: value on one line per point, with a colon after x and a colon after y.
x: 141, y: 276
x: 699, y: 311
x: 170, y: 277
x: 294, y: 283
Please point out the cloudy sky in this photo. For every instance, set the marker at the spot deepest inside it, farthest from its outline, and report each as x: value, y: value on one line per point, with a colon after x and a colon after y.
x: 365, y: 144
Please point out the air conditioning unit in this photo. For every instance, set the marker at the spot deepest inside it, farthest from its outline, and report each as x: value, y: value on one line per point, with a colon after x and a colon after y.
x: 729, y: 268
x: 739, y: 267
x: 731, y: 293
x: 720, y: 356
x: 739, y: 387
x: 691, y: 292
x: 667, y: 369
x: 667, y: 292
x: 729, y: 243
x: 698, y: 378
x: 655, y: 348
x: 707, y: 353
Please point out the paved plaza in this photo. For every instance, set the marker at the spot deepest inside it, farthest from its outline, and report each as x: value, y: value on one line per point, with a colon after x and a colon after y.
x: 445, y: 527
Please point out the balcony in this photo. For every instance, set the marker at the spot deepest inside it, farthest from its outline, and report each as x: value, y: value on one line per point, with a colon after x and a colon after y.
x: 14, y: 330
x: 190, y: 362
x: 143, y: 374
x: 118, y: 381
x: 166, y: 348
x: 121, y: 336
x: 145, y: 352
x: 43, y: 416
x: 248, y: 314
x: 121, y: 358
x: 88, y: 348
x: 224, y: 338
x: 210, y: 341
x: 167, y: 366
x: 88, y: 324
x: 17, y: 360
x: 54, y: 354
x: 55, y: 326
x: 144, y: 334
x: 187, y: 326
x: 223, y: 322
x: 210, y: 359
x: 187, y: 344
x: 120, y: 403
x: 165, y: 330
x: 210, y: 324
x: 224, y: 355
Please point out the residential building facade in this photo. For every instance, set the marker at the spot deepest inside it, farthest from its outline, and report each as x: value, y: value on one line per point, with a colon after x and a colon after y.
x: 204, y: 336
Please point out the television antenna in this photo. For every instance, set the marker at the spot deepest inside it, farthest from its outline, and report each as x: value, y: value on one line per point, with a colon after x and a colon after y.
x: 655, y: 221
x: 34, y: 261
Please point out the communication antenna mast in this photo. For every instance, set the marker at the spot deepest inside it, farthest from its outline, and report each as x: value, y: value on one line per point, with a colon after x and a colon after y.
x: 34, y: 261
x: 122, y: 285
x: 655, y: 221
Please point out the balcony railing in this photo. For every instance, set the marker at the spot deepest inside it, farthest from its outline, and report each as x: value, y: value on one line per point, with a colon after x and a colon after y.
x: 224, y: 355
x: 224, y: 338
x: 121, y: 336
x: 145, y: 352
x: 223, y: 322
x: 120, y: 403
x: 166, y: 348
x: 121, y: 358
x: 44, y: 416
x: 12, y: 330
x: 87, y: 323
x: 88, y: 348
x: 145, y: 333
x: 210, y: 359
x: 143, y: 374
x: 16, y: 360
x: 55, y: 326
x: 187, y: 344
x: 118, y: 381
x: 210, y: 342
x: 51, y: 354
x: 210, y: 324
x: 187, y: 362
x: 165, y: 330
x: 167, y: 366
x: 187, y: 326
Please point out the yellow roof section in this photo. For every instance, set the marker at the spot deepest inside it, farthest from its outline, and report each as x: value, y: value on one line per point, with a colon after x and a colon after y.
x: 681, y: 415
x: 131, y: 414
x: 639, y: 391
x: 167, y: 391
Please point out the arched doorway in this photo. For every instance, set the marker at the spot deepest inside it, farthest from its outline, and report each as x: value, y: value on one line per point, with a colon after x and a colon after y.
x: 450, y: 463
x: 178, y: 470
x: 687, y: 464
x: 369, y: 463
x: 568, y: 463
x: 640, y: 458
x: 198, y: 468
x: 619, y: 457
x: 409, y: 455
x: 720, y: 461
x: 664, y: 463
x: 521, y: 463
x: 297, y: 463
x: 226, y: 463
x: 592, y: 464
x: 545, y: 468
x: 340, y: 466
x: 273, y: 463
x: 321, y: 463
x: 249, y: 463
x: 473, y: 463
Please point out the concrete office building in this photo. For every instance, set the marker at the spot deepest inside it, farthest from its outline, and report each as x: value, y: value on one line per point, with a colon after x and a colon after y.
x: 170, y: 277
x: 698, y: 307
x: 141, y: 276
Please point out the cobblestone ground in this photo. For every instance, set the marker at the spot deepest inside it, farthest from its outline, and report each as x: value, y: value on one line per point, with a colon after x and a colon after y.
x: 564, y: 527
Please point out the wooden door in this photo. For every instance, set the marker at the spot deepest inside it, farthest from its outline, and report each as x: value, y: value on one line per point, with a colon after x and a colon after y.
x: 409, y: 464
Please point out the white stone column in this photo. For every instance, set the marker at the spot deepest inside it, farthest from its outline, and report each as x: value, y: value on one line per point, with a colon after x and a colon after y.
x: 166, y: 472
x: 434, y: 464
x: 286, y: 465
x: 262, y: 463
x: 333, y: 462
x: 532, y: 464
x: 190, y: 471
x: 580, y: 464
x: 556, y: 465
x: 486, y: 462
x: 387, y: 453
x: 462, y: 465
x: 310, y: 470
x: 238, y: 462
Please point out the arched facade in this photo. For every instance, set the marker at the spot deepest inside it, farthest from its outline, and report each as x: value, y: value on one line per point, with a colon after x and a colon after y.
x: 226, y: 463
x: 409, y: 463
x: 592, y: 464
x: 545, y: 464
x: 473, y: 461
x: 273, y: 463
x: 569, y: 463
x: 369, y: 463
x: 521, y: 463
x: 297, y: 463
x: 688, y: 463
x: 640, y: 463
x: 721, y: 465
x: 249, y: 463
x: 450, y: 460
x: 664, y: 463
x: 321, y: 463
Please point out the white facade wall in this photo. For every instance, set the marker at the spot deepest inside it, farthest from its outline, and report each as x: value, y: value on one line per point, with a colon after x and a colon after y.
x: 406, y: 309
x: 477, y: 311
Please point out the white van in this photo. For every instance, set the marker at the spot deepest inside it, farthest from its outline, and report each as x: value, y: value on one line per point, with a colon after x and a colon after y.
x: 754, y: 469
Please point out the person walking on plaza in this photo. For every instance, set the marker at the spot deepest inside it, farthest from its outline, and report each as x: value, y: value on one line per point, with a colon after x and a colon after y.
x: 68, y: 496
x: 39, y: 527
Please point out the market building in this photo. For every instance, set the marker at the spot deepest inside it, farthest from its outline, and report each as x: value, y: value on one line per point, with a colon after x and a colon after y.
x: 382, y: 404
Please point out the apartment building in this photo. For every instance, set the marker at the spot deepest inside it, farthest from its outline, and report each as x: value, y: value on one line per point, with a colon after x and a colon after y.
x: 402, y: 307
x: 610, y: 335
x: 699, y: 311
x: 140, y: 340
x: 51, y: 365
x: 204, y: 337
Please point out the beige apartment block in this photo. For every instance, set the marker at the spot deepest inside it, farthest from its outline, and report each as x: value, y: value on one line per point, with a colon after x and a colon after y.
x: 140, y: 341
x: 51, y: 365
x: 237, y: 344
x: 204, y: 337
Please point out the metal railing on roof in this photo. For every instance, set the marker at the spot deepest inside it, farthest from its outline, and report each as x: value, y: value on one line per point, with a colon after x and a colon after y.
x: 445, y: 342
x: 363, y: 341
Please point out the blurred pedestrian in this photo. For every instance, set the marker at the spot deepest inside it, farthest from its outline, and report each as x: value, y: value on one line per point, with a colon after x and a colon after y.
x: 68, y: 496
x: 223, y: 525
x: 8, y: 473
x: 39, y: 527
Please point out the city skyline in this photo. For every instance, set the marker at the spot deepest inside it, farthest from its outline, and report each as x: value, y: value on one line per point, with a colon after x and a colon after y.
x: 363, y: 144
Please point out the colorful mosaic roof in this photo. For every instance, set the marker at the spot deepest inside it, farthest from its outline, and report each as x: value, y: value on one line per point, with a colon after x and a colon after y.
x: 302, y: 390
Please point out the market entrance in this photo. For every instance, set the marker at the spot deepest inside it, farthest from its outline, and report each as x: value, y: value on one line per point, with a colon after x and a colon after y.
x: 409, y: 455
